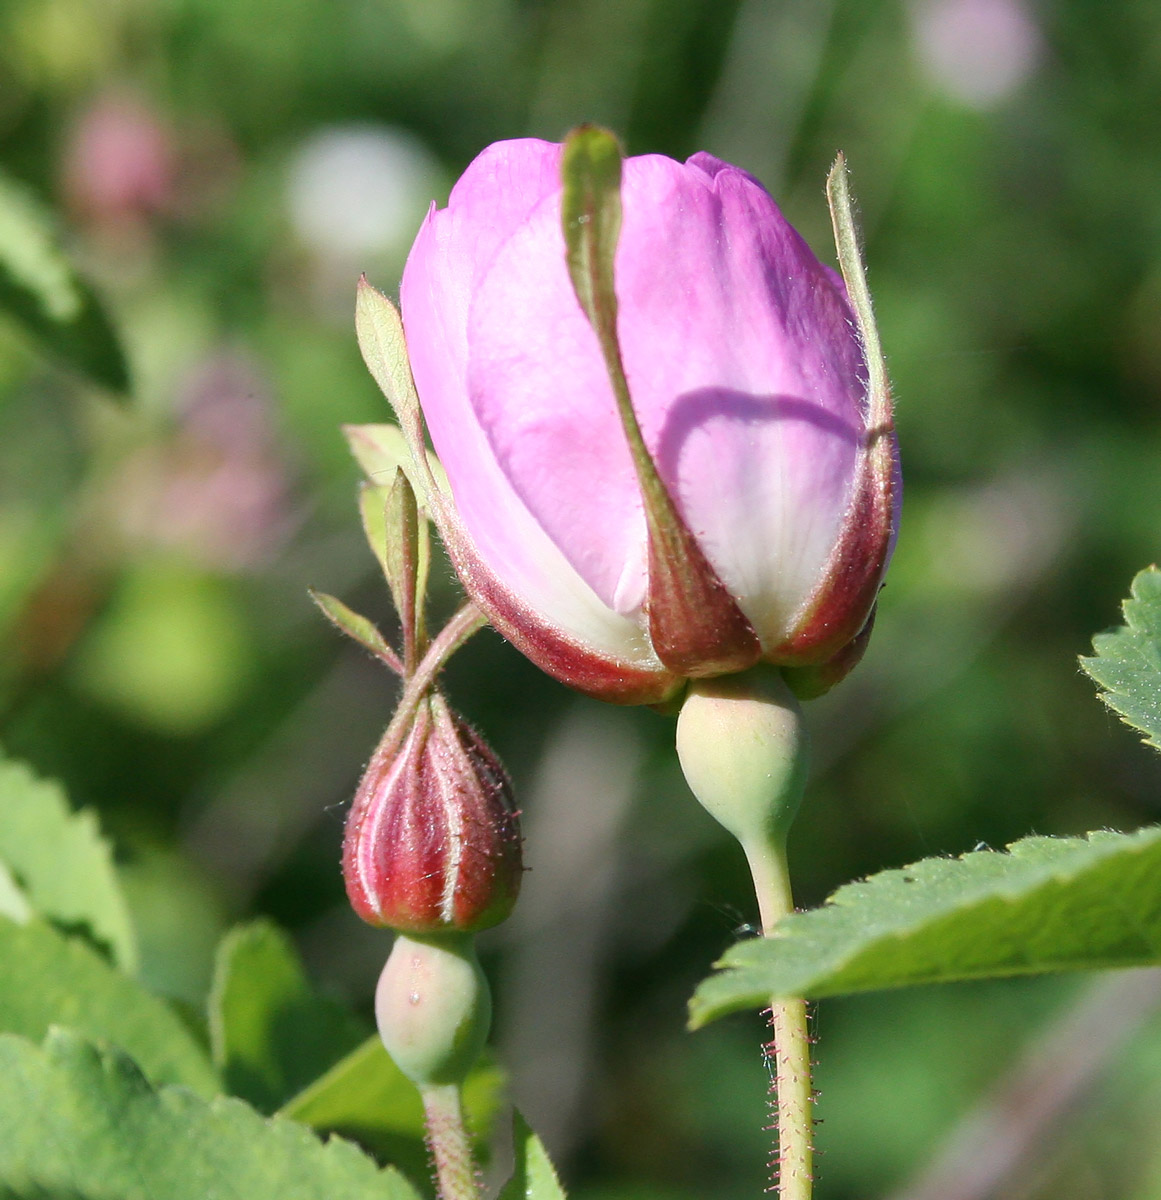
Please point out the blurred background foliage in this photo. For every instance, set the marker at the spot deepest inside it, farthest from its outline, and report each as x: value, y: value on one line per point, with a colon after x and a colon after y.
x: 222, y: 170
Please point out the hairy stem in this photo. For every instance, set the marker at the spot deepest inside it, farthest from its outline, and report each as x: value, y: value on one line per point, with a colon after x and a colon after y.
x: 455, y: 1169
x: 795, y: 1160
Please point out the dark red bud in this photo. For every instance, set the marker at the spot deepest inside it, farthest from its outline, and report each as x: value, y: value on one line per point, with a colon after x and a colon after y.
x: 433, y: 840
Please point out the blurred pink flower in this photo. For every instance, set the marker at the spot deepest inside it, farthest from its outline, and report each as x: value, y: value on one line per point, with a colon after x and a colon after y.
x: 746, y: 376
x: 218, y: 488
x: 119, y: 162
x: 978, y: 51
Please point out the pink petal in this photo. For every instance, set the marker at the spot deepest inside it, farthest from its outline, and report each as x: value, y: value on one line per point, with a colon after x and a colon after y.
x: 744, y: 371
x: 454, y: 246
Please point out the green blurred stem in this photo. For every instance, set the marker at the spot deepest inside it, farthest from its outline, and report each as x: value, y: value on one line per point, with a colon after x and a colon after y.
x: 455, y: 1167
x: 771, y: 876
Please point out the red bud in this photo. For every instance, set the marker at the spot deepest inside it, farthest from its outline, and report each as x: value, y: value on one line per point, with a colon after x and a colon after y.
x: 433, y: 839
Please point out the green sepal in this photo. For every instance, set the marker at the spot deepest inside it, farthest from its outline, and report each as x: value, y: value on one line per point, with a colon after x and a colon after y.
x: 379, y: 329
x: 381, y: 450
x: 850, y: 259
x: 358, y: 627
x: 695, y: 625
x: 398, y: 536
x: 591, y: 216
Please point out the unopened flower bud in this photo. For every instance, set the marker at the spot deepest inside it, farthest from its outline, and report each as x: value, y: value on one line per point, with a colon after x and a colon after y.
x: 433, y: 1008
x: 706, y: 481
x: 433, y: 840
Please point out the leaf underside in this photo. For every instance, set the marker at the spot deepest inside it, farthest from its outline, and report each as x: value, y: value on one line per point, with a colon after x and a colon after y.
x: 1045, y: 904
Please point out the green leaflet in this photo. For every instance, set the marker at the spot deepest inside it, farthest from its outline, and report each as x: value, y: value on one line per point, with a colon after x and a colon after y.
x: 1127, y: 663
x: 40, y: 289
x: 271, y: 1033
x: 61, y: 862
x: 83, y: 1122
x: 533, y: 1175
x: 1046, y: 904
x: 47, y: 979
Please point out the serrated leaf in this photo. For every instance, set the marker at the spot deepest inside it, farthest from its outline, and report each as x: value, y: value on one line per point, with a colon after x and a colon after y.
x: 61, y: 862
x: 358, y: 627
x: 42, y: 291
x: 271, y: 1034
x: 48, y: 979
x: 1128, y: 660
x: 1046, y: 904
x: 366, y: 1097
x: 83, y: 1122
x: 533, y: 1175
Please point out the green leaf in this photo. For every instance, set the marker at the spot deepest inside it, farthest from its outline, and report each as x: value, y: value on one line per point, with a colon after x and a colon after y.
x: 1047, y: 904
x: 40, y: 289
x: 364, y: 631
x: 271, y: 1034
x: 366, y: 1097
x: 533, y: 1175
x: 47, y: 979
x: 83, y: 1122
x: 61, y: 862
x: 1128, y: 660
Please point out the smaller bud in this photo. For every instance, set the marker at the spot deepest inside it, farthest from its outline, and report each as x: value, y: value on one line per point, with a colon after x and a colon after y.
x: 432, y: 843
x: 433, y: 1008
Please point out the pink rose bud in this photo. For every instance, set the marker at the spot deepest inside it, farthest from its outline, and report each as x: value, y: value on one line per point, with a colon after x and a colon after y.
x: 748, y: 378
x: 433, y: 841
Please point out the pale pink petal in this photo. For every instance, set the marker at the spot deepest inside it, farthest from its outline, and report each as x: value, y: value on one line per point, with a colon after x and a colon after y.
x: 751, y: 398
x: 541, y: 391
x: 453, y: 248
x: 744, y: 374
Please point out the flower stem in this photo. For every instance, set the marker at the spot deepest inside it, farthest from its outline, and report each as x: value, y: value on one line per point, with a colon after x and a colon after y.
x: 791, y: 1038
x: 454, y: 1166
x: 744, y: 749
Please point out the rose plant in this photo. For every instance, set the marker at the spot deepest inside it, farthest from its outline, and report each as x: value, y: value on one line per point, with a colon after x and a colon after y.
x: 667, y: 456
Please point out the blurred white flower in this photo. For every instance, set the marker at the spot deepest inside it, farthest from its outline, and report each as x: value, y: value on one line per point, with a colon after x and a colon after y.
x: 977, y: 51
x: 356, y: 190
